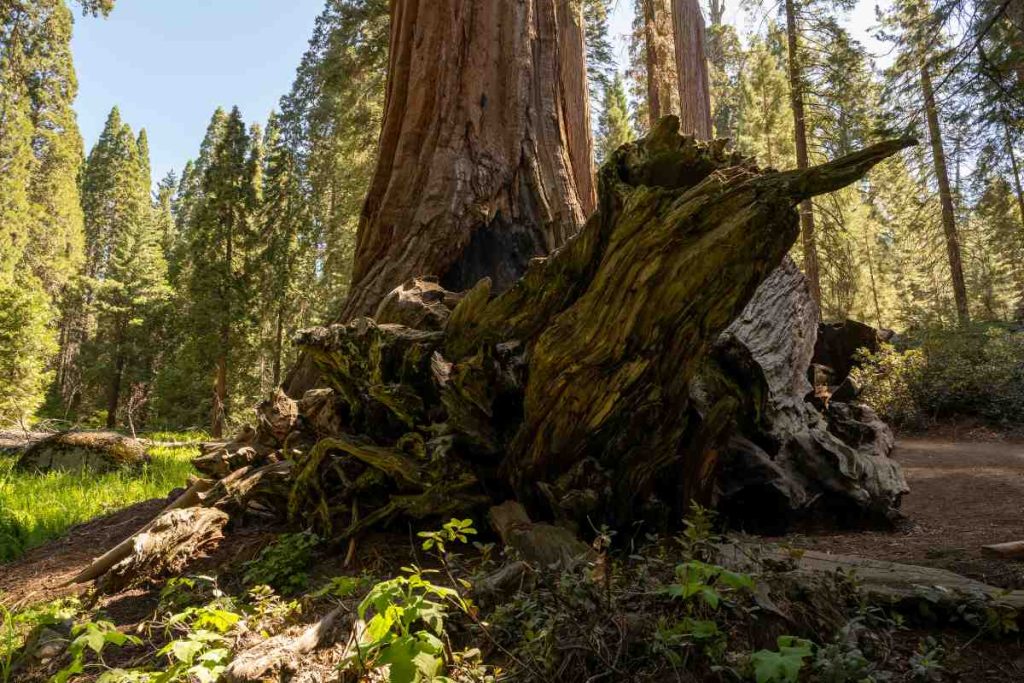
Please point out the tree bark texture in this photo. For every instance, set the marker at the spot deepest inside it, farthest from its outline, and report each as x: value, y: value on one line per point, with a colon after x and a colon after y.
x: 476, y: 171
x: 659, y: 48
x: 956, y: 268
x: 692, y: 69
x: 796, y: 92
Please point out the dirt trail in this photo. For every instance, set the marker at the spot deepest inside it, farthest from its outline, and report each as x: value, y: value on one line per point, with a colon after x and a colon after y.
x: 963, y: 495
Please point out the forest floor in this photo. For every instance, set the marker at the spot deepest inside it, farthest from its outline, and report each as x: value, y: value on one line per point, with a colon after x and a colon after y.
x: 963, y: 495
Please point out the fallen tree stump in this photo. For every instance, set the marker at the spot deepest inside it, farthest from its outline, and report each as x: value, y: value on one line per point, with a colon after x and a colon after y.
x: 570, y: 392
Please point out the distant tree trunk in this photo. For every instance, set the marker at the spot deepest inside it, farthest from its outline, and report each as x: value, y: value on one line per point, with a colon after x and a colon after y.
x: 114, y: 392
x: 945, y: 196
x: 220, y: 387
x: 278, y: 344
x: 659, y: 48
x: 572, y: 73
x: 1015, y: 167
x: 475, y: 173
x: 692, y: 69
x: 796, y: 90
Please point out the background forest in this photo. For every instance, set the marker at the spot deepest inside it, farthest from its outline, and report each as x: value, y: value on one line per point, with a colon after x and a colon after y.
x: 129, y: 303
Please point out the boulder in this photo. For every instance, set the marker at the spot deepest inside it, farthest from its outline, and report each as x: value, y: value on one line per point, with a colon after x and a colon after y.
x: 786, y: 462
x: 83, y: 451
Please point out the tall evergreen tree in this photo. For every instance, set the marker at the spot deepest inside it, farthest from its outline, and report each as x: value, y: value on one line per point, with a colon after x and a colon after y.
x: 219, y: 231
x: 613, y: 128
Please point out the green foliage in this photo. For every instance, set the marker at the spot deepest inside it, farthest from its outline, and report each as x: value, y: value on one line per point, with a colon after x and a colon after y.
x: 283, y: 564
x: 15, y: 626
x: 38, y: 507
x: 704, y: 585
x: 26, y: 345
x: 92, y: 636
x: 783, y: 665
x: 406, y: 628
x: 455, y: 530
x: 613, y: 127
x: 977, y: 371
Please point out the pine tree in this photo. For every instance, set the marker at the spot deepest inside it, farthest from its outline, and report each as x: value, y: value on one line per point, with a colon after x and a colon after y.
x: 331, y: 121
x: 126, y: 273
x: 219, y: 231
x: 281, y: 217
x: 613, y: 128
x: 765, y: 129
x: 40, y: 155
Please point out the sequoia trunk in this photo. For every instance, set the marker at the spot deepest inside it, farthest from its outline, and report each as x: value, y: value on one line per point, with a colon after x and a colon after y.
x: 662, y: 82
x: 692, y: 69
x: 477, y: 171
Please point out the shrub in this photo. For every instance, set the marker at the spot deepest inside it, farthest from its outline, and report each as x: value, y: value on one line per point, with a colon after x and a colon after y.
x: 977, y: 371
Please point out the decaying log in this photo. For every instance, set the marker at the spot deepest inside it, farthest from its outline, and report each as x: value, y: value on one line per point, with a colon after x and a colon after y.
x: 174, y: 538
x: 882, y: 582
x: 573, y: 386
x: 785, y: 461
x: 1013, y: 550
x: 191, y: 497
x: 541, y: 544
x: 269, y: 657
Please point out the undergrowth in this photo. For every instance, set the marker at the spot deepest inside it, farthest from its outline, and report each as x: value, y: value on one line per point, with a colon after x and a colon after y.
x: 35, y: 508
x: 670, y: 610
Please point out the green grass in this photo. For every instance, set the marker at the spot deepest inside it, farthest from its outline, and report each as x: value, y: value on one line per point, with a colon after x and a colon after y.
x: 35, y: 508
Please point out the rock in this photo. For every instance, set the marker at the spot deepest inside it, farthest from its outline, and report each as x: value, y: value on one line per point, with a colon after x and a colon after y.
x: 786, y: 463
x: 837, y: 345
x: 84, y: 451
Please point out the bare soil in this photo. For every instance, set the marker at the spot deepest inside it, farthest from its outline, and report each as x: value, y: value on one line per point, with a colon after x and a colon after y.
x: 963, y: 495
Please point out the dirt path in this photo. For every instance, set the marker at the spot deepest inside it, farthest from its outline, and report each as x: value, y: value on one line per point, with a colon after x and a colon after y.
x: 963, y: 495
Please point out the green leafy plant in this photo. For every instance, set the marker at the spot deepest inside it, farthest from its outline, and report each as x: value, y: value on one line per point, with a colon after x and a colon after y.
x: 283, y: 565
x: 199, y: 648
x: 926, y: 662
x: 14, y: 626
x: 92, y: 636
x: 782, y: 665
x: 455, y: 530
x: 341, y: 587
x: 706, y: 584
x: 406, y: 628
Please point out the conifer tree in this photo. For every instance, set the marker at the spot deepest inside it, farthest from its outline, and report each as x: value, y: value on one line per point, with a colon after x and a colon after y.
x: 219, y: 231
x: 912, y: 96
x: 281, y: 218
x: 613, y: 128
x: 765, y: 128
x: 331, y: 120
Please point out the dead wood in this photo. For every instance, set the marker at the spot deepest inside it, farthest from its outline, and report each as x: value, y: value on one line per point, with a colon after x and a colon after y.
x: 1013, y: 550
x: 269, y: 657
x: 174, y: 538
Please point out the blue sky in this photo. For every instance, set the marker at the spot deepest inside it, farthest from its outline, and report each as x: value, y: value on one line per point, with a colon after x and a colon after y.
x: 169, y: 63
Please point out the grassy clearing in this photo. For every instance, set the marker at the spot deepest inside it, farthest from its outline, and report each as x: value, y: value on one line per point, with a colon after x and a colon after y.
x: 35, y: 508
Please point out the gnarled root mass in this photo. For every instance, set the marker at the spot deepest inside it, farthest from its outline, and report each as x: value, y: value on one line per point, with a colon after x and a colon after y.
x: 570, y: 392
